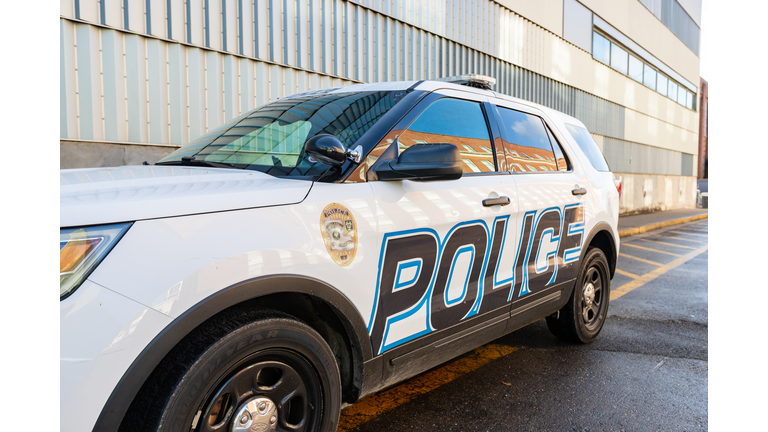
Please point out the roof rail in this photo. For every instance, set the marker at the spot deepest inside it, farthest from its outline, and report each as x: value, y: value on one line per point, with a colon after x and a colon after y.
x: 471, y: 80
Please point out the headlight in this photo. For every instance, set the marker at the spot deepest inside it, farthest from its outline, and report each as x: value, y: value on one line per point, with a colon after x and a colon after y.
x: 82, y: 249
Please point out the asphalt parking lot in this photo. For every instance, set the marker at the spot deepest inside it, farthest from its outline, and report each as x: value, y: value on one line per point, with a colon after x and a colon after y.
x: 648, y: 370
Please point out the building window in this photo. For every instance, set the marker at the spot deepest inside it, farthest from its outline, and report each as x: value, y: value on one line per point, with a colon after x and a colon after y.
x: 649, y: 77
x: 619, y: 59
x: 601, y: 48
x: 662, y: 86
x: 635, y: 69
x: 608, y: 52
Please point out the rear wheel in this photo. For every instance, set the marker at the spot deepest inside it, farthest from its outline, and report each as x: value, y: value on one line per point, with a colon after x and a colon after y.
x: 272, y: 374
x: 582, y: 318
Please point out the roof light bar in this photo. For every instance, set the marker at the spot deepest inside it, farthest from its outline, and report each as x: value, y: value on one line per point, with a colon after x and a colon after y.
x: 471, y: 80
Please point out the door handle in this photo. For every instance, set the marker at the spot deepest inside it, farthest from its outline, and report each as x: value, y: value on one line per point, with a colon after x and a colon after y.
x: 496, y: 201
x: 579, y: 191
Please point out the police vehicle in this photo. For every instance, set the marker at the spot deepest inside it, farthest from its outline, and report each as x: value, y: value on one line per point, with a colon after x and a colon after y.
x: 323, y: 247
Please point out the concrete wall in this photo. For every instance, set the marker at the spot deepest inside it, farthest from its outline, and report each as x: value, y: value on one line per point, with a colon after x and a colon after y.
x: 642, y: 193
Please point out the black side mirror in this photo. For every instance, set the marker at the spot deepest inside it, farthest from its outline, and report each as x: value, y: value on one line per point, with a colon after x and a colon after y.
x: 326, y: 148
x: 422, y: 162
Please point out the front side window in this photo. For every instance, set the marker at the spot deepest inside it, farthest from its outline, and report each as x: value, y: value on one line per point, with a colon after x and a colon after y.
x: 526, y: 141
x: 271, y: 138
x: 458, y: 122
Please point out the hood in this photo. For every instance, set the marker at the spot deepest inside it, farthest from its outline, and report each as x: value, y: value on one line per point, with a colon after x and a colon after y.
x: 129, y: 193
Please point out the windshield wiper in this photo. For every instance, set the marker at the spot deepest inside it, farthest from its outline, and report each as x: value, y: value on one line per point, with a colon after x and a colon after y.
x: 191, y: 161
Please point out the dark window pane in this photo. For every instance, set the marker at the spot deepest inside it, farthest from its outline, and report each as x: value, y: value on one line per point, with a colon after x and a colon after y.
x: 601, y: 48
x: 457, y: 122
x: 527, y: 144
x: 649, y: 77
x: 589, y: 147
x: 618, y: 59
x: 562, y: 161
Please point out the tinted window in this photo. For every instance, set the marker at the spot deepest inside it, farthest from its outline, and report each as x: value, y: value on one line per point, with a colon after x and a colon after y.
x: 271, y: 138
x: 589, y: 147
x: 562, y: 161
x: 457, y: 122
x: 663, y: 85
x: 526, y: 143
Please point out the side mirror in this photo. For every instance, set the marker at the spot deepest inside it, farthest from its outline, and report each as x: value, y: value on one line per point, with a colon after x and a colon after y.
x: 422, y: 162
x: 326, y: 148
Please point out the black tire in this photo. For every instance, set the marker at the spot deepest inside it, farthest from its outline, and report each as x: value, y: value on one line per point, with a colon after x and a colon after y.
x: 203, y: 388
x: 580, y: 320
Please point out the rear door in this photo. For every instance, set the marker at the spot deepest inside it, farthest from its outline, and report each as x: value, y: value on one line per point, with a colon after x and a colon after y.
x: 551, y: 207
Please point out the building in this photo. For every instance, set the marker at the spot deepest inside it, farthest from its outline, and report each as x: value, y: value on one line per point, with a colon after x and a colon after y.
x: 703, y: 171
x: 139, y: 78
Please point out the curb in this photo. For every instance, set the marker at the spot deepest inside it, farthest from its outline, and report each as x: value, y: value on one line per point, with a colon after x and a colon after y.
x: 645, y: 228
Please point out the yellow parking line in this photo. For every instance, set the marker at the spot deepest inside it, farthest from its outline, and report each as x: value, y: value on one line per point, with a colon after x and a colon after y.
x: 683, y: 239
x: 640, y: 259
x: 690, y: 229
x: 379, y: 403
x: 668, y: 244
x: 649, y: 249
x: 626, y: 273
x: 687, y: 233
x: 644, y: 279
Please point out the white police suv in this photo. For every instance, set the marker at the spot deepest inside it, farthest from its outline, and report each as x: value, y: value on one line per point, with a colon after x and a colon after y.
x: 323, y: 247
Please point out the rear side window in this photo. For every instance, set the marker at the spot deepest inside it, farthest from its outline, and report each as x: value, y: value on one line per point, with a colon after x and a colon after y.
x: 526, y: 143
x: 589, y: 147
x: 457, y: 122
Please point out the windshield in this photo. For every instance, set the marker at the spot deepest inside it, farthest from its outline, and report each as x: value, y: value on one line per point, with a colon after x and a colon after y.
x: 271, y: 138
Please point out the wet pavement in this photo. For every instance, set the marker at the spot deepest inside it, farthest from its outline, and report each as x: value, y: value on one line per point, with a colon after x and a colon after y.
x: 647, y: 371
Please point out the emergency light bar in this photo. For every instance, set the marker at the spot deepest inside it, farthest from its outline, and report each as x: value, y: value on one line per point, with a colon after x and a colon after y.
x: 471, y: 80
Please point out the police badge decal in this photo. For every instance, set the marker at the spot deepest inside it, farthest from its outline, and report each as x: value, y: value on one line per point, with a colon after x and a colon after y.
x: 339, y: 231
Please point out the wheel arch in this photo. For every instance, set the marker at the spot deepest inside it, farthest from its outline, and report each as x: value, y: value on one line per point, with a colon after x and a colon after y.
x: 318, y: 304
x: 602, y: 237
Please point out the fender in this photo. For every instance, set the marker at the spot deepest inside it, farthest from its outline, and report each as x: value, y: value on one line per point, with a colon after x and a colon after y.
x: 602, y: 226
x: 129, y: 385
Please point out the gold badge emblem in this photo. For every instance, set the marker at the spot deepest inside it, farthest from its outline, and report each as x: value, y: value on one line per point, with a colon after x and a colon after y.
x: 339, y: 231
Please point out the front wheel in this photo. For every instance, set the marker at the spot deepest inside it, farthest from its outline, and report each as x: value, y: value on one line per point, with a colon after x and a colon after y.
x: 582, y: 318
x: 272, y: 374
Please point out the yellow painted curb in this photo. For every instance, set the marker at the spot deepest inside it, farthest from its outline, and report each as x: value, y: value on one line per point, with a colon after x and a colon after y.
x: 645, y: 228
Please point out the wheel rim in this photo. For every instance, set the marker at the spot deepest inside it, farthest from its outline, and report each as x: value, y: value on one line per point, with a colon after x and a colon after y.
x: 273, y: 390
x: 592, y: 298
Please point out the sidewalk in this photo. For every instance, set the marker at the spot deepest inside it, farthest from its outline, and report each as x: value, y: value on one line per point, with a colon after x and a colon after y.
x: 636, y: 224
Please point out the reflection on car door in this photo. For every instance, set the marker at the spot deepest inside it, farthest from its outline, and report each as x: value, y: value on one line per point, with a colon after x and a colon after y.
x: 551, y: 208
x: 443, y: 267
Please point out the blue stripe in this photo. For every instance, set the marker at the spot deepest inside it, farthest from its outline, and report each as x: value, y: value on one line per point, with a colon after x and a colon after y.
x: 169, y: 16
x: 240, y: 23
x: 298, y: 33
x: 189, y: 22
x: 148, y: 8
x: 271, y: 31
x: 224, y: 22
x: 102, y: 13
x: 125, y: 14
x: 207, y: 27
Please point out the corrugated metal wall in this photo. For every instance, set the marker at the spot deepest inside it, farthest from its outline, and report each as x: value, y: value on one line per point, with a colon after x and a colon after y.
x: 167, y: 71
